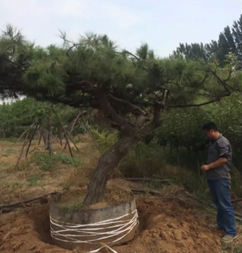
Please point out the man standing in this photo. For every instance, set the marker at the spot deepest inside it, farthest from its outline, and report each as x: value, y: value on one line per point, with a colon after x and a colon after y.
x: 218, y: 176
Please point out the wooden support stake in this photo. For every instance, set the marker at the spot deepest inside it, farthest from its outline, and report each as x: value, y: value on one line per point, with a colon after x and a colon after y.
x: 30, y: 140
x: 65, y: 134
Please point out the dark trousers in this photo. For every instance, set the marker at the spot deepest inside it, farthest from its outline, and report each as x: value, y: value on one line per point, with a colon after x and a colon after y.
x: 220, y: 192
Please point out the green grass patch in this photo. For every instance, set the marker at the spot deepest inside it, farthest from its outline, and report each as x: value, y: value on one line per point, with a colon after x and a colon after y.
x: 34, y: 180
x: 66, y: 186
x: 47, y: 163
x: 4, y: 174
x: 9, y: 151
x: 17, y: 184
x: 65, y: 209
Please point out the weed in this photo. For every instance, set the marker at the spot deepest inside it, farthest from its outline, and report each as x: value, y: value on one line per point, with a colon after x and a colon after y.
x: 4, y: 174
x: 33, y: 180
x: 71, y: 208
x: 9, y: 151
x: 67, y: 159
x: 17, y: 184
x: 48, y: 163
x: 104, y: 139
x: 23, y: 166
x: 66, y: 186
x: 44, y: 161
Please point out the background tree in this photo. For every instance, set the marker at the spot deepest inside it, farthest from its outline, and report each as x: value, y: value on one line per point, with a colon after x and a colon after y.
x: 229, y: 42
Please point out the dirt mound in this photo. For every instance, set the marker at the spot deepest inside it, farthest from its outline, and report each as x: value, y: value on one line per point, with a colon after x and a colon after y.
x: 169, y: 227
x: 165, y: 226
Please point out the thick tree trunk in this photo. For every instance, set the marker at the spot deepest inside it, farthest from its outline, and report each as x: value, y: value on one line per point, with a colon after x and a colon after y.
x: 105, y: 167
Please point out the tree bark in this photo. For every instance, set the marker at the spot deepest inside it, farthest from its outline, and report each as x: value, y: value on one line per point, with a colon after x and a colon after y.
x: 105, y: 167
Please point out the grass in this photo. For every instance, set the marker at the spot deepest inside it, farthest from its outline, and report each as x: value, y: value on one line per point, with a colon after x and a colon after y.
x: 4, y: 174
x: 47, y: 163
x: 9, y: 151
x: 34, y: 181
x: 66, y: 186
x: 17, y: 184
x: 65, y: 209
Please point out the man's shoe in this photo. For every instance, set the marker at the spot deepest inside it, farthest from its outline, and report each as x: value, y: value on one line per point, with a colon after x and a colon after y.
x: 215, y: 226
x: 228, y: 238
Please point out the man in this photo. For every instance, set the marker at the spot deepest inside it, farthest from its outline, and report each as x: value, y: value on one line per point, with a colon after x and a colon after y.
x: 218, y: 176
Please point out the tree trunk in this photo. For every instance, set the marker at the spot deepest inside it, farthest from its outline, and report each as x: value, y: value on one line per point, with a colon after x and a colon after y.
x: 178, y: 156
x: 198, y: 163
x: 50, y: 148
x: 105, y: 167
x: 45, y: 133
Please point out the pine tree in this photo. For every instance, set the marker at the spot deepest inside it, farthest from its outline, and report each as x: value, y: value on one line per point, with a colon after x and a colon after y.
x: 133, y: 90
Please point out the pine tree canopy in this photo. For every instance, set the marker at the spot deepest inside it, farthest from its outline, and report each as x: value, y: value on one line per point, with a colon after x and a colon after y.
x: 95, y: 72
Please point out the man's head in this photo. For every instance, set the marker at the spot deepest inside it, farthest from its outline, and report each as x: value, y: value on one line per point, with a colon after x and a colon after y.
x: 211, y: 130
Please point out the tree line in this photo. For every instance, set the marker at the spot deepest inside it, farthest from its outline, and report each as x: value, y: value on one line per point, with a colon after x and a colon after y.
x: 228, y: 43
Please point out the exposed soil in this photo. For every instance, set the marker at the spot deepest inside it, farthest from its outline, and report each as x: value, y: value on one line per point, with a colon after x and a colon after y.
x: 165, y: 226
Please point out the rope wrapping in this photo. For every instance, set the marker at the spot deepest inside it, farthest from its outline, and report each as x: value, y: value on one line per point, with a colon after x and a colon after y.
x: 118, y: 227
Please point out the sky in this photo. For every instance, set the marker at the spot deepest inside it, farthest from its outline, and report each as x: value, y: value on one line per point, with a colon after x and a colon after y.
x: 163, y: 24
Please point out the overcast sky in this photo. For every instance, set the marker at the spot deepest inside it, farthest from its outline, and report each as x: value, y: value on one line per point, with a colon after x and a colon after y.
x: 163, y: 24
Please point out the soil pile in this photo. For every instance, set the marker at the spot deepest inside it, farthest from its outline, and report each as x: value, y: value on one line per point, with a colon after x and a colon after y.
x: 165, y: 226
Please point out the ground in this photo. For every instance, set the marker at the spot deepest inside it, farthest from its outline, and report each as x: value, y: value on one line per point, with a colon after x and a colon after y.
x: 170, y: 222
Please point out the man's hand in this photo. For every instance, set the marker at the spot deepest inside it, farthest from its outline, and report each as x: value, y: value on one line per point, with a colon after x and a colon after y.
x: 205, y: 168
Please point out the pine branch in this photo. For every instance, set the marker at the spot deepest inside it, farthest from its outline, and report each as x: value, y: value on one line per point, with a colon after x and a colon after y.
x: 195, y: 105
x: 223, y: 82
x: 128, y: 106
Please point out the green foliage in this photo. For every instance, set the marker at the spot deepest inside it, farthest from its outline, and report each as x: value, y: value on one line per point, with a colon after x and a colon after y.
x: 44, y: 161
x: 18, y: 116
x: 182, y: 127
x: 143, y: 161
x: 104, y: 139
x: 67, y: 159
x: 48, y: 163
x: 229, y: 42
